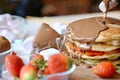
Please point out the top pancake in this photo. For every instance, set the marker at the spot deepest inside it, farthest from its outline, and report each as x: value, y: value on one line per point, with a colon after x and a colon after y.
x: 113, y: 33
x: 94, y: 30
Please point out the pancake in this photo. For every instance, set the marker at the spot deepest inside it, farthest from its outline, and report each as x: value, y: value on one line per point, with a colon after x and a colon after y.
x: 113, y: 42
x: 109, y: 34
x: 103, y: 47
x: 113, y: 25
x: 98, y: 46
x: 95, y: 36
x: 83, y: 32
x: 93, y: 40
x: 72, y: 52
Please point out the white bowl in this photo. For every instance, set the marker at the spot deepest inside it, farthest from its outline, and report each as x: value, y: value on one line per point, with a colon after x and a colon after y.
x: 58, y: 76
x: 3, y: 54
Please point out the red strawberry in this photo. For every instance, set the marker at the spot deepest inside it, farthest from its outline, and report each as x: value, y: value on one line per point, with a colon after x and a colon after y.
x: 38, y: 61
x: 36, y: 58
x: 28, y: 72
x: 104, y: 69
x: 94, y: 53
x: 13, y: 53
x: 59, y: 63
x: 13, y: 64
x: 46, y: 71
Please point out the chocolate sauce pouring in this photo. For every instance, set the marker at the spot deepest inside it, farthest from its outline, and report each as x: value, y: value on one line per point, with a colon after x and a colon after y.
x: 87, y: 30
x: 96, y: 22
x: 106, y: 5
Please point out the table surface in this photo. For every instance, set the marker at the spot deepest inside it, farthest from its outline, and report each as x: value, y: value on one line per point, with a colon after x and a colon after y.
x: 35, y: 22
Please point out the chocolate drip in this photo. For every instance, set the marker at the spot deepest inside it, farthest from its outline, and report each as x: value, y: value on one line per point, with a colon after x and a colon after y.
x: 109, y: 20
x: 112, y: 21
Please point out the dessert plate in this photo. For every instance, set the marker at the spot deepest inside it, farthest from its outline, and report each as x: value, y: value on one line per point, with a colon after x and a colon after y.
x: 27, y: 44
x: 57, y: 26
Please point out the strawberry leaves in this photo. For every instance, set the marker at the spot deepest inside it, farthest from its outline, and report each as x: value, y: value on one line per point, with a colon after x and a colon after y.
x: 40, y: 64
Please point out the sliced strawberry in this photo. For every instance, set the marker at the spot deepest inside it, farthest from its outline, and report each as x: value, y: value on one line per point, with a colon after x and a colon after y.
x: 94, y: 53
x: 116, y: 51
x: 112, y: 52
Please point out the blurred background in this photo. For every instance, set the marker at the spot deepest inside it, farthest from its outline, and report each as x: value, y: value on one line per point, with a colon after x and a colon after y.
x: 49, y: 7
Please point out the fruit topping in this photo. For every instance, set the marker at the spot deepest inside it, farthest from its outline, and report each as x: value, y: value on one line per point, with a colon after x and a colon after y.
x: 13, y: 64
x: 104, y: 69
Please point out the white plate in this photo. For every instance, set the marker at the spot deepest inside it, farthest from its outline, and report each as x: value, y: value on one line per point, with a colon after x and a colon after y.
x: 57, y: 26
x: 27, y: 45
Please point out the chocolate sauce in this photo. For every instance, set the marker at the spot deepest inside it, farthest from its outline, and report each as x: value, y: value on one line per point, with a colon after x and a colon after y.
x: 45, y: 36
x: 107, y: 7
x: 112, y: 21
x: 109, y: 4
x: 87, y: 30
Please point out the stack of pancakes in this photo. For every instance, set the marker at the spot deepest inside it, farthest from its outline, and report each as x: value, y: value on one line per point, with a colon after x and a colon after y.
x: 93, y: 40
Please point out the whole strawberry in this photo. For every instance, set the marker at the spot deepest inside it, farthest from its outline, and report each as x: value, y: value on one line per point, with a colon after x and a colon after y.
x: 104, y: 69
x: 38, y: 61
x: 37, y: 58
x: 28, y: 72
x: 46, y: 71
x: 58, y: 63
x: 13, y: 64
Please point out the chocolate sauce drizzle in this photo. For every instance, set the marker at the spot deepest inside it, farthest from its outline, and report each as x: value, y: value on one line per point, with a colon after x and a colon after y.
x: 87, y: 30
